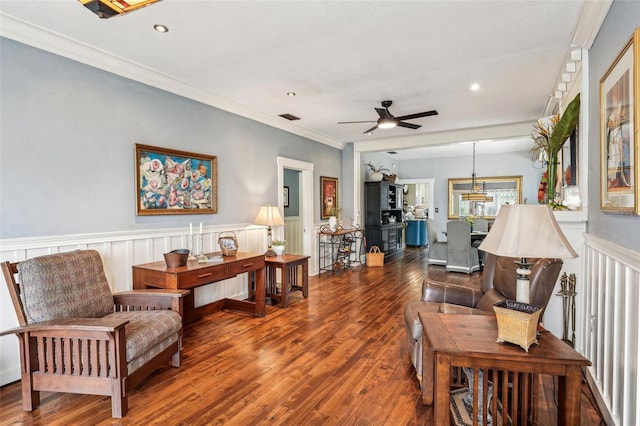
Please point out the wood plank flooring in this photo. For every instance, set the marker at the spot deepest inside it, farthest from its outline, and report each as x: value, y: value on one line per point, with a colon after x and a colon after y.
x: 337, y: 358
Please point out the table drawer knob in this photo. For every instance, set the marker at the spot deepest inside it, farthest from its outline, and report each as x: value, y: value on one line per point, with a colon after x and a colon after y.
x: 205, y: 275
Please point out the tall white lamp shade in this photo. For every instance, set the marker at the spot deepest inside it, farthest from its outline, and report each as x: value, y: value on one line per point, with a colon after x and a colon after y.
x: 527, y: 231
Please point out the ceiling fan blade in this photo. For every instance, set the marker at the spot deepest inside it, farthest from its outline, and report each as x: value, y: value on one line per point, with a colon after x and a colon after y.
x: 352, y: 122
x: 418, y: 115
x: 384, y: 113
x: 370, y: 130
x: 408, y: 125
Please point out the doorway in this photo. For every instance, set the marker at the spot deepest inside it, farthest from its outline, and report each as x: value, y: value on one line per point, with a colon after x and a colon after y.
x: 293, y: 200
x: 305, y: 200
x: 418, y: 195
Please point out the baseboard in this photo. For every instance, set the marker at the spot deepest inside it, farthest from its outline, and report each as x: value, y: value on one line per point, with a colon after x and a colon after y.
x: 600, y: 404
x: 9, y: 375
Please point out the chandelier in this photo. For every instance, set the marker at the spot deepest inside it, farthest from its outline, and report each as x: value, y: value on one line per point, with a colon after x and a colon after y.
x: 475, y: 194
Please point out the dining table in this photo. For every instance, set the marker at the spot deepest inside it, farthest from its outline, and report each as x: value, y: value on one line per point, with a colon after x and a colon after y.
x: 475, y: 235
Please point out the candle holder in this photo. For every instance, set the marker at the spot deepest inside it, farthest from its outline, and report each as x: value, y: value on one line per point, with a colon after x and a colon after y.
x: 194, y: 247
x: 201, y: 257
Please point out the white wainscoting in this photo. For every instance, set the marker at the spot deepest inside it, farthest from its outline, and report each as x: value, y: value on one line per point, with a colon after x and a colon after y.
x: 610, y: 298
x: 120, y: 251
x: 293, y: 232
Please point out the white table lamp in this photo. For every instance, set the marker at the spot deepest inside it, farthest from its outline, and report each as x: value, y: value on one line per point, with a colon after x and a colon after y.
x: 526, y: 231
x: 269, y: 216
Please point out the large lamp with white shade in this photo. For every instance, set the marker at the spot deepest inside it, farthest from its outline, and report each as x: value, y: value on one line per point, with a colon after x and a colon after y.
x: 269, y: 216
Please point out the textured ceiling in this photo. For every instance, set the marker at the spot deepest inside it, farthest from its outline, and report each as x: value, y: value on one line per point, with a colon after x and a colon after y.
x: 341, y: 58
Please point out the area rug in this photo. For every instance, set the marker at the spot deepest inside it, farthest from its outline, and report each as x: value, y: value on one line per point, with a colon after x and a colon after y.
x: 462, y: 411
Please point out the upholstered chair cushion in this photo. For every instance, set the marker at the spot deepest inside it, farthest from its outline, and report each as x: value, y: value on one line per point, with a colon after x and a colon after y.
x: 57, y: 286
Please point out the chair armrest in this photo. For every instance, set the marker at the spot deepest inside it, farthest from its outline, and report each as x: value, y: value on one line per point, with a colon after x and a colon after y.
x: 70, y: 327
x: 150, y: 299
x: 448, y: 308
x: 437, y: 292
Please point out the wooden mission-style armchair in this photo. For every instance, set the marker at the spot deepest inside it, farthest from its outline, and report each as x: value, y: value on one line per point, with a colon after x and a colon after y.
x: 76, y: 336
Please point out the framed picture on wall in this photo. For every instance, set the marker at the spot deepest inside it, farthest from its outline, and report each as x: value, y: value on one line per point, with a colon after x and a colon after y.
x: 285, y: 194
x: 619, y: 92
x: 175, y: 182
x: 328, y: 196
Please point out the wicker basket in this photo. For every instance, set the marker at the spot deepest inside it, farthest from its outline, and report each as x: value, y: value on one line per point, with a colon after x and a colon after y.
x: 228, y: 243
x: 517, y: 323
x: 375, y: 257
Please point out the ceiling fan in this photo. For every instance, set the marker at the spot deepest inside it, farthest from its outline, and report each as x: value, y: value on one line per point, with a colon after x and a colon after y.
x: 388, y: 121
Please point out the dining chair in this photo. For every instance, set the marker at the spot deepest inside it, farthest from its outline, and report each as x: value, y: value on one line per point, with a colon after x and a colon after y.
x: 481, y: 225
x: 437, y: 250
x: 461, y: 256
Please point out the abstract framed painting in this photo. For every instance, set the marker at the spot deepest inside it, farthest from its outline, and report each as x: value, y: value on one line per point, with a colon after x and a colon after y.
x: 169, y: 181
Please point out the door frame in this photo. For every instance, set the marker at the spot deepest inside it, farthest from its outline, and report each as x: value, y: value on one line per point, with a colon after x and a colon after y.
x: 306, y: 208
x: 431, y: 183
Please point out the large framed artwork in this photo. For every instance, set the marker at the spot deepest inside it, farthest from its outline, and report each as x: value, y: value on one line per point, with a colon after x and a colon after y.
x: 328, y: 196
x: 619, y: 124
x: 175, y: 182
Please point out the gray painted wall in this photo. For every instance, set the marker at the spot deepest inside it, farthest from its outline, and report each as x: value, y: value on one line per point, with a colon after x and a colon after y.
x: 67, y: 149
x: 622, y: 20
x: 292, y: 180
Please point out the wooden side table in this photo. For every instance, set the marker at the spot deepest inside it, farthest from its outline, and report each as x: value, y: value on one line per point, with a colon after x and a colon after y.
x: 291, y: 281
x: 456, y: 340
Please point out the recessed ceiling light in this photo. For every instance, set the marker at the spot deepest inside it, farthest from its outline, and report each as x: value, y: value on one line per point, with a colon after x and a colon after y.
x: 475, y: 87
x: 161, y: 28
x: 291, y: 93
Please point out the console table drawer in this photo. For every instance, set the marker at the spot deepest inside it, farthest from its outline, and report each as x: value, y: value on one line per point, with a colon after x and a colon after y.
x: 246, y: 266
x: 204, y: 276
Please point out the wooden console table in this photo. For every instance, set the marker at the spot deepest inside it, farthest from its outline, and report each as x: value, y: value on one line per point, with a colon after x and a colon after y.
x: 194, y: 274
x: 288, y: 265
x: 470, y: 341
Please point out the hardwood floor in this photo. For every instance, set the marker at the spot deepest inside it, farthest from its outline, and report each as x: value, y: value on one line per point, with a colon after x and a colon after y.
x: 337, y: 358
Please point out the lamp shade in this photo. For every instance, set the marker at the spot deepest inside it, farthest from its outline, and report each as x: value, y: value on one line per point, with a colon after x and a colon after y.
x: 527, y: 230
x: 269, y: 216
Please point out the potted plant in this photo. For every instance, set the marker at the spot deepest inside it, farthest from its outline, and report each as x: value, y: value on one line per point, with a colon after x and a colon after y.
x: 278, y: 247
x: 376, y: 172
x: 549, y: 139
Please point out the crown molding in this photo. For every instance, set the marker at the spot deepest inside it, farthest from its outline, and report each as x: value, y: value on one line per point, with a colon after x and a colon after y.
x: 29, y: 34
x: 592, y: 16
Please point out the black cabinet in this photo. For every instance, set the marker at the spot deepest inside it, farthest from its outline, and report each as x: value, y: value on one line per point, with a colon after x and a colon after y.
x: 383, y: 216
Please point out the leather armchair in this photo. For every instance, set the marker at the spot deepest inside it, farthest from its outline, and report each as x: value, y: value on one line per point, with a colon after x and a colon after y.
x: 498, y: 283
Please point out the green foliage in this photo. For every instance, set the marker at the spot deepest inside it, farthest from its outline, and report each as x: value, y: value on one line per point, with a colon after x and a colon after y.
x: 278, y: 243
x: 565, y: 126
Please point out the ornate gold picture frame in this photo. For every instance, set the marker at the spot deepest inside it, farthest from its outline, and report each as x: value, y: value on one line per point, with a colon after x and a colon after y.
x: 169, y: 181
x: 619, y: 125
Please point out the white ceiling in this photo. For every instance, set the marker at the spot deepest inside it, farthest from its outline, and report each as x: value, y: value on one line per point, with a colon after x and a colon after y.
x: 341, y: 58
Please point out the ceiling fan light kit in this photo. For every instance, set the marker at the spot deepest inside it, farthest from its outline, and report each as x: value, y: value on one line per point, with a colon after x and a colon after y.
x: 387, y: 120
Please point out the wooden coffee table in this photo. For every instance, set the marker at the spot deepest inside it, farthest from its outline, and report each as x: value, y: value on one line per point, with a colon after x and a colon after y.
x: 470, y: 341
